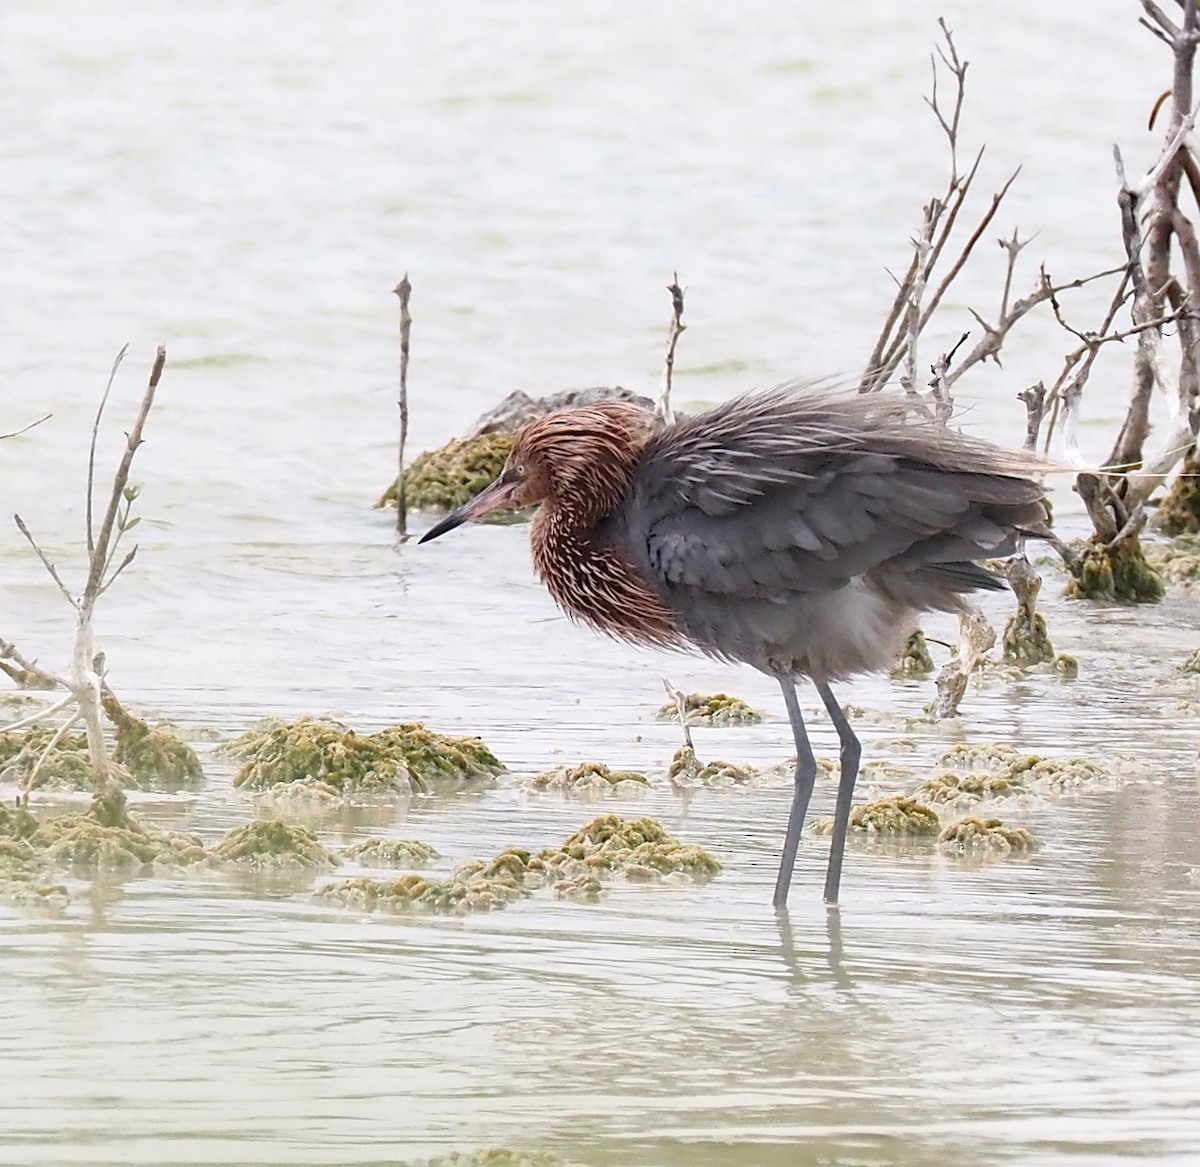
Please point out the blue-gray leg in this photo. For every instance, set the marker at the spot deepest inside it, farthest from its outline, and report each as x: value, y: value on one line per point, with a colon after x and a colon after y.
x: 850, y: 754
x: 806, y: 774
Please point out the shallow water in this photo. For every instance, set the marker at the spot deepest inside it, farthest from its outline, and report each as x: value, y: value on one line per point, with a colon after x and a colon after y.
x: 246, y: 183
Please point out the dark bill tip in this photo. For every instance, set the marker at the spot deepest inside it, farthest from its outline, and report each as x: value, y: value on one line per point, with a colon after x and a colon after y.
x: 452, y: 520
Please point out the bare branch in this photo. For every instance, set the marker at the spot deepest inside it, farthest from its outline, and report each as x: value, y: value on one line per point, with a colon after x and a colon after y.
x: 663, y: 409
x: 1035, y: 407
x: 38, y: 715
x: 28, y: 674
x: 120, y: 568
x: 26, y: 428
x: 59, y: 734
x: 91, y: 546
x: 99, y: 551
x: 922, y: 246
x: 62, y: 587
x: 403, y: 290
x: 1161, y: 20
x: 895, y: 352
x: 1166, y: 40
x: 677, y: 696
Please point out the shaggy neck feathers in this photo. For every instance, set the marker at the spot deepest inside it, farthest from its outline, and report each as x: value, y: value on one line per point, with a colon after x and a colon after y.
x: 586, y: 459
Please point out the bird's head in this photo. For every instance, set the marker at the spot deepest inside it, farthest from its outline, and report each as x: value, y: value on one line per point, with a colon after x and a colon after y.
x: 578, y: 458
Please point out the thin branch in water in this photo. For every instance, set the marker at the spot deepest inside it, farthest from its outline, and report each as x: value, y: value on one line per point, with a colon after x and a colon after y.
x: 99, y: 552
x: 663, y: 409
x: 922, y: 245
x: 120, y: 568
x: 59, y: 734
x: 91, y: 546
x: 677, y: 696
x: 26, y: 428
x: 28, y: 674
x: 943, y: 400
x: 62, y: 587
x: 403, y: 290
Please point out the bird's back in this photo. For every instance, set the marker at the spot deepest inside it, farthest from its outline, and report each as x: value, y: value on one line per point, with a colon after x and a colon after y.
x: 801, y: 530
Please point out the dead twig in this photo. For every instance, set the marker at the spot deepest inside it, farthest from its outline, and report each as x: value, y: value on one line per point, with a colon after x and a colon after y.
x: 403, y: 290
x: 663, y: 409
x: 85, y: 680
x: 26, y: 428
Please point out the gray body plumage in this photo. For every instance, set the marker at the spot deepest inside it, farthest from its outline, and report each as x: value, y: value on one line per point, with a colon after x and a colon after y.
x: 801, y: 531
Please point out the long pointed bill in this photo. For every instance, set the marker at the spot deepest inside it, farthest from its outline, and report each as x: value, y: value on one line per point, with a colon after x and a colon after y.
x: 490, y: 498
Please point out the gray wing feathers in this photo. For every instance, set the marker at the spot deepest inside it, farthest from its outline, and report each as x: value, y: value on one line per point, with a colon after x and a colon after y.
x: 792, y: 491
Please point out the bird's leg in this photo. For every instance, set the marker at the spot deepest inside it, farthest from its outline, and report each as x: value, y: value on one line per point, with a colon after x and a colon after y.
x: 850, y: 754
x: 806, y: 774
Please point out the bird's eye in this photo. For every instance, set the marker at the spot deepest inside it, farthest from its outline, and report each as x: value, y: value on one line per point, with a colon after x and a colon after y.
x: 520, y: 469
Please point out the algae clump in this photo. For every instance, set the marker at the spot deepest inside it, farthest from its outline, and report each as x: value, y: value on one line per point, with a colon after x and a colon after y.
x: 896, y: 815
x: 711, y: 709
x: 640, y: 849
x: 1179, y: 511
x: 155, y: 755
x: 973, y: 786
x: 1120, y: 572
x: 1179, y: 560
x: 67, y: 766
x: 445, y: 478
x: 398, y: 759
x: 272, y: 845
x: 495, y: 1157
x: 914, y: 660
x: 472, y: 886
x: 588, y: 776
x: 613, y: 844
x: 1026, y: 639
x: 107, y: 839
x: 392, y: 853
x: 686, y: 768
x: 974, y: 836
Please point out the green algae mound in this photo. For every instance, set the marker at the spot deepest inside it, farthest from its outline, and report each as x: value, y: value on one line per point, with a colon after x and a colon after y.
x: 445, y: 478
x: 473, y: 886
x: 976, y: 836
x: 993, y: 755
x: 1192, y: 664
x: 951, y: 787
x: 1011, y: 772
x: 392, y: 853
x: 638, y: 849
x: 895, y: 816
x: 24, y: 873
x: 711, y: 709
x: 269, y: 845
x: 1177, y: 561
x: 687, y: 769
x: 1179, y: 511
x: 106, y: 839
x: 1120, y: 572
x: 587, y: 776
x: 331, y: 757
x: 1026, y: 640
x: 67, y: 765
x: 914, y: 660
x: 155, y: 755
x: 495, y: 1157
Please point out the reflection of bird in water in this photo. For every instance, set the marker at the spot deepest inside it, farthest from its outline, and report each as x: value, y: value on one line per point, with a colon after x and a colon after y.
x: 800, y: 531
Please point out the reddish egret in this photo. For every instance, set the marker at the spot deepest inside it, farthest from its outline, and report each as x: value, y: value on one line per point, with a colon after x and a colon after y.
x: 798, y: 530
